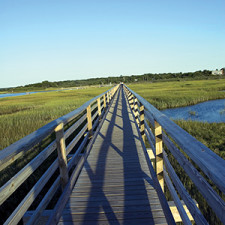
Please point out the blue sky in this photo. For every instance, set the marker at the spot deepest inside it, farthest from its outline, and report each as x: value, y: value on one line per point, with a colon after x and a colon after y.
x: 67, y: 40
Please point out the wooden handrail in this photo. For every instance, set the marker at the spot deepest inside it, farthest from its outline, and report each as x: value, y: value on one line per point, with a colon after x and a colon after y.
x: 61, y: 149
x: 82, y: 122
x: 17, y: 149
x: 158, y: 154
x: 210, y: 163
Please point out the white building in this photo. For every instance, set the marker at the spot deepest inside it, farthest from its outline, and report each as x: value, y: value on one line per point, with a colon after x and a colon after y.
x: 219, y: 72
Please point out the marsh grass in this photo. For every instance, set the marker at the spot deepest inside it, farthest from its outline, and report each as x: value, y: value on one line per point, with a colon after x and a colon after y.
x: 222, y: 111
x: 24, y: 114
x: 165, y: 95
x: 177, y: 94
x: 192, y: 113
x: 21, y: 115
x: 211, y: 135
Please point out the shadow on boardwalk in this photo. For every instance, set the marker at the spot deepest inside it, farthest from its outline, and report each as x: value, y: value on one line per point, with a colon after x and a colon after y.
x: 114, y: 186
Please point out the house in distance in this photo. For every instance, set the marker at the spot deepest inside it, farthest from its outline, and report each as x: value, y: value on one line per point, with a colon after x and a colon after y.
x: 219, y: 72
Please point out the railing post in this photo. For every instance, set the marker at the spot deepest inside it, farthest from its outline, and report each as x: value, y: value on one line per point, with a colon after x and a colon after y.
x: 89, y: 121
x: 113, y: 92
x: 159, y: 154
x: 61, y: 149
x: 128, y: 95
x: 136, y: 110
x: 131, y: 102
x: 104, y: 101
x: 107, y: 98
x: 142, y: 122
x: 99, y: 108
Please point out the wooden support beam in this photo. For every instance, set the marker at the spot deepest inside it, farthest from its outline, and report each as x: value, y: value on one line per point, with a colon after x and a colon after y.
x: 61, y: 149
x: 110, y: 94
x: 159, y: 154
x: 136, y: 110
x: 131, y: 102
x: 142, y: 122
x: 113, y: 92
x: 175, y: 212
x: 104, y: 101
x: 107, y: 98
x: 99, y: 107
x: 151, y: 156
x: 89, y: 121
x: 179, y: 206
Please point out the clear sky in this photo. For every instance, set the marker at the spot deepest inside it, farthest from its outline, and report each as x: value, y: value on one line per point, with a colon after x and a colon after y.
x: 76, y: 39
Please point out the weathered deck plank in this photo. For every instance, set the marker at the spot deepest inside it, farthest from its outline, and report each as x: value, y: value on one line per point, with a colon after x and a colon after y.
x: 115, y: 185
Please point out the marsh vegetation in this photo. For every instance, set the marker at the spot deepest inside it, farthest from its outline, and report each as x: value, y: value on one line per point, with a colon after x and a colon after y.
x: 21, y: 115
x: 164, y: 95
x: 177, y: 94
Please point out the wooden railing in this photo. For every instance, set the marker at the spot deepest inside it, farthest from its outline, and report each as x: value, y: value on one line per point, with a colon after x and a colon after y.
x: 158, y: 131
x: 67, y: 142
x: 71, y: 137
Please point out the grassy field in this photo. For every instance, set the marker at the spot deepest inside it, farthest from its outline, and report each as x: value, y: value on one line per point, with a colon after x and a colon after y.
x: 210, y: 134
x: 21, y: 115
x: 176, y: 94
x: 165, y: 95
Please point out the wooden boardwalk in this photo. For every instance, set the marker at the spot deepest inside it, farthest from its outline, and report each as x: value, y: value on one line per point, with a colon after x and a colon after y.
x: 115, y: 185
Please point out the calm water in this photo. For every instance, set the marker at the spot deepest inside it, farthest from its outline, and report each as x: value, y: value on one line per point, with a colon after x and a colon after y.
x: 24, y: 93
x: 16, y: 94
x: 210, y: 111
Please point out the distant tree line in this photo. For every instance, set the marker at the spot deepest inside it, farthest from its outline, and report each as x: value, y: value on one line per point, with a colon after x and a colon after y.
x: 148, y: 77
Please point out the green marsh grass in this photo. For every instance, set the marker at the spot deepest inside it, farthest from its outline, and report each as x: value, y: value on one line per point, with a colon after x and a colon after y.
x: 174, y: 94
x: 211, y: 135
x: 21, y: 115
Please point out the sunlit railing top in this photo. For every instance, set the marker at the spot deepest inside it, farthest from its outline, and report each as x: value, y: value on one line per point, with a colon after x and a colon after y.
x: 210, y: 163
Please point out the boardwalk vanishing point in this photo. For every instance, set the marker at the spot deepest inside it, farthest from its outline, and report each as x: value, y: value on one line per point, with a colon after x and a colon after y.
x: 115, y: 185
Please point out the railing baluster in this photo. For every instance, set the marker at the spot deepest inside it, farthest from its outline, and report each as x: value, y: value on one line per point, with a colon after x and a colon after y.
x: 104, y: 100
x: 159, y: 154
x: 99, y: 108
x: 136, y: 110
x: 61, y: 149
x: 107, y: 95
x: 15, y: 151
x: 142, y: 122
x: 131, y: 102
x: 89, y: 121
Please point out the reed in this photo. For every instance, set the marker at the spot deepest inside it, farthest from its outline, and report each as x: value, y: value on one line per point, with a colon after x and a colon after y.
x: 180, y: 93
x: 210, y: 134
x: 21, y: 115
